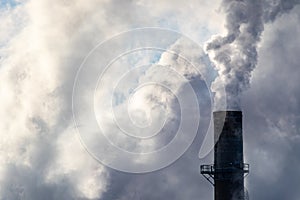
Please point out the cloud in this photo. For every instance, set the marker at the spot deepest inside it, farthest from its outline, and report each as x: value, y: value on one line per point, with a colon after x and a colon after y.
x: 36, y: 71
x: 42, y: 46
x: 271, y: 112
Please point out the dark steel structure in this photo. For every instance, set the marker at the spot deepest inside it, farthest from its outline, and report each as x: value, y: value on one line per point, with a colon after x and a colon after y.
x: 228, y: 171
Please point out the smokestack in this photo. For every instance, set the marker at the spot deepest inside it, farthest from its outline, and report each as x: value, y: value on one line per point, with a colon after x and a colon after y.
x: 227, y: 172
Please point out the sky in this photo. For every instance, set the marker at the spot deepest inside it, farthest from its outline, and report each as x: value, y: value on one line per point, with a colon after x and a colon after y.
x: 112, y: 100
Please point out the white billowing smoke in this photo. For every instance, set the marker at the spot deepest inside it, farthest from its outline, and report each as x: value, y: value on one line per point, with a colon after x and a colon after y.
x: 148, y: 97
x: 42, y: 44
x: 235, y: 54
x: 40, y: 157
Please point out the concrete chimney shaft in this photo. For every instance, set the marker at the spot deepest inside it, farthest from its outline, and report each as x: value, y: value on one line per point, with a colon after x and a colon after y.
x: 228, y: 169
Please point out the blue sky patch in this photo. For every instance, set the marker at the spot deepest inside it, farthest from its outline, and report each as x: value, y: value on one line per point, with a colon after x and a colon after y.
x: 8, y: 3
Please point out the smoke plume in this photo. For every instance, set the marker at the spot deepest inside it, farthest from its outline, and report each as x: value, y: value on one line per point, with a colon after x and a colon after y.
x: 235, y: 54
x: 42, y: 44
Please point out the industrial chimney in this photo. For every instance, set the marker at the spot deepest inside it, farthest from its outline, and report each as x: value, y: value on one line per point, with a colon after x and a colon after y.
x: 228, y: 171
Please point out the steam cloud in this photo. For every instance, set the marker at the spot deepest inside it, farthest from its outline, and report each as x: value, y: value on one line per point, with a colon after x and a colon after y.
x: 235, y: 54
x: 41, y: 45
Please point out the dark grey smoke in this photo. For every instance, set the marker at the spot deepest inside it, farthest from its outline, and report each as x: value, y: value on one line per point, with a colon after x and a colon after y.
x: 274, y: 8
x: 235, y: 54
